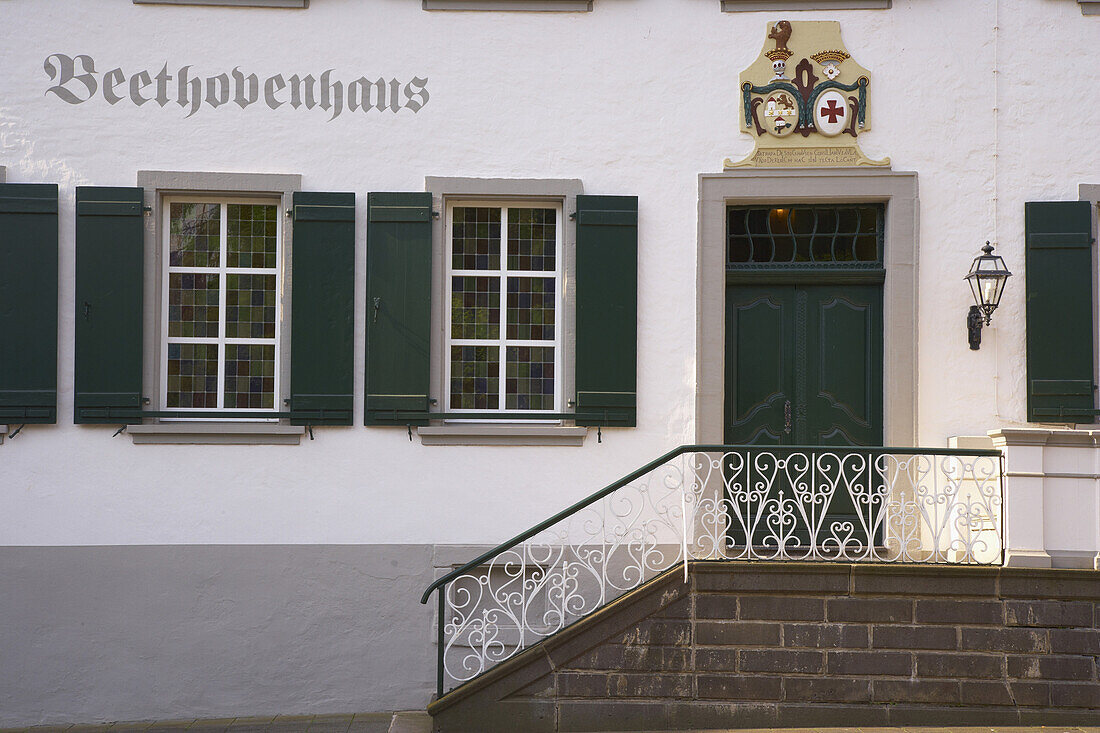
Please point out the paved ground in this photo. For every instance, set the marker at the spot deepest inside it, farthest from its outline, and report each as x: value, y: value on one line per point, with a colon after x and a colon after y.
x: 420, y: 723
x: 358, y: 723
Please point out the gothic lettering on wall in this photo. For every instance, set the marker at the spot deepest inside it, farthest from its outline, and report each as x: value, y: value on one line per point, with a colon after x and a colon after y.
x: 76, y: 80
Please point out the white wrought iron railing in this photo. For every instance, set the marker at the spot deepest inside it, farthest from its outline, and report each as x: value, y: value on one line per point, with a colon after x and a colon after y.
x: 886, y: 505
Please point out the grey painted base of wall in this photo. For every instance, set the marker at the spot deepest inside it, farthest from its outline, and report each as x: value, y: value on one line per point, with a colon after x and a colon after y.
x: 95, y: 634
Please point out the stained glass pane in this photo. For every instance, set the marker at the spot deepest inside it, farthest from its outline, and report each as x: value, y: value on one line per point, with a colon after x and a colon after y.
x: 250, y: 376
x: 532, y: 236
x: 475, y: 307
x: 531, y: 308
x: 250, y: 306
x: 475, y: 377
x: 193, y: 375
x: 194, y: 238
x: 251, y: 229
x: 475, y: 238
x: 529, y: 378
x: 193, y: 305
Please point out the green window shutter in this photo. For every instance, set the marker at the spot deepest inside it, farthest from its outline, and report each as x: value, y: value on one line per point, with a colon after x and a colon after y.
x: 109, y: 288
x: 607, y: 310
x: 322, y: 309
x: 28, y: 303
x: 1060, y: 326
x: 399, y: 298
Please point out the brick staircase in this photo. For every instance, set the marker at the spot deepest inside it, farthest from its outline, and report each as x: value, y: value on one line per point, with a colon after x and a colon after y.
x: 756, y: 645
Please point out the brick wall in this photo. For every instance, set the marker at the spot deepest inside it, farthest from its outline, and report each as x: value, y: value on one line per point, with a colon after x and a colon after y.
x: 756, y: 645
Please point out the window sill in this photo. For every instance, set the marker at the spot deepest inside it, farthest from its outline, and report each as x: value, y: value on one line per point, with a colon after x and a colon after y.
x: 737, y: 6
x: 212, y: 433
x: 502, y: 435
x: 539, y: 6
x: 1089, y: 7
x: 231, y: 3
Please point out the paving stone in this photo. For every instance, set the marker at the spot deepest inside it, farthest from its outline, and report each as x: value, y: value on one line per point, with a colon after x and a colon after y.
x: 330, y: 724
x: 411, y: 722
x: 371, y: 723
x: 208, y: 725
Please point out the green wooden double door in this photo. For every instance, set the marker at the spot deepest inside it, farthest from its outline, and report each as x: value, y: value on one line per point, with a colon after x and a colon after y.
x: 803, y: 364
x: 804, y: 367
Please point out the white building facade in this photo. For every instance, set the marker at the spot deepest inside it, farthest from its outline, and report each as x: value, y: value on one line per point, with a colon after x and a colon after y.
x: 459, y: 152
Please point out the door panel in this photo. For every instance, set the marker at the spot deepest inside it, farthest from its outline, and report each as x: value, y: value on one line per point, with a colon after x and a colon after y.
x: 759, y: 365
x: 844, y: 346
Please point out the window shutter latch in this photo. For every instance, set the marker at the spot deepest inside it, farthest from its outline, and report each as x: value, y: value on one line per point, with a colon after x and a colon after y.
x: 377, y: 305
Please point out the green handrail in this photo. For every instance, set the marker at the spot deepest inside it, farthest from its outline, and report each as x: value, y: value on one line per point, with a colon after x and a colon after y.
x: 875, y: 450
x: 441, y: 583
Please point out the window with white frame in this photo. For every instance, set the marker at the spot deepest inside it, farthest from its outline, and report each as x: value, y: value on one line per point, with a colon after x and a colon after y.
x: 221, y: 302
x: 504, y: 342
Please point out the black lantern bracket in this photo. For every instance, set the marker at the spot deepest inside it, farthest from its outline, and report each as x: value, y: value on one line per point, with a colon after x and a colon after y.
x: 987, y: 278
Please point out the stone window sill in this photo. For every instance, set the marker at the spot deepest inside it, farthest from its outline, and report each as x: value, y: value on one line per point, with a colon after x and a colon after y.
x: 502, y: 435
x: 212, y: 433
x: 538, y: 6
x: 231, y: 3
x: 738, y: 6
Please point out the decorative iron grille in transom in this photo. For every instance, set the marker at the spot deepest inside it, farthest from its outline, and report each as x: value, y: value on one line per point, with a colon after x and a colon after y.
x: 805, y: 235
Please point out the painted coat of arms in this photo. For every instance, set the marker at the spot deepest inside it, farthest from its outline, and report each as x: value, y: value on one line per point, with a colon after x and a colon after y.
x: 809, y: 112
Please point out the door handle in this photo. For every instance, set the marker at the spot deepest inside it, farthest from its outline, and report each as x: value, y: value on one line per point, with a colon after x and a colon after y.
x: 787, y: 417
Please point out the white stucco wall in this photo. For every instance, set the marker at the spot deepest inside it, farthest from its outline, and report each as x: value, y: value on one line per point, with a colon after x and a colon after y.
x: 636, y: 97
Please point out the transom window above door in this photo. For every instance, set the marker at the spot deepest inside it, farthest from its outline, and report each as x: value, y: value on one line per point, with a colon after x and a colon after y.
x: 804, y: 235
x: 221, y: 293
x: 504, y: 327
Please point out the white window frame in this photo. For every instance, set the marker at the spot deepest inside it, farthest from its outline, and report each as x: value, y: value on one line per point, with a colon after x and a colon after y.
x: 503, y: 342
x: 223, y: 271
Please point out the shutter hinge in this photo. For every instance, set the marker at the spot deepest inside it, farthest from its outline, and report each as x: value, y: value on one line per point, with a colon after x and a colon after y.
x: 573, y: 216
x: 290, y: 213
x: 435, y: 214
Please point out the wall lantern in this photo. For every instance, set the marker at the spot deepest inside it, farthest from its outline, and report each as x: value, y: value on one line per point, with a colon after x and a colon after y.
x: 987, y: 282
